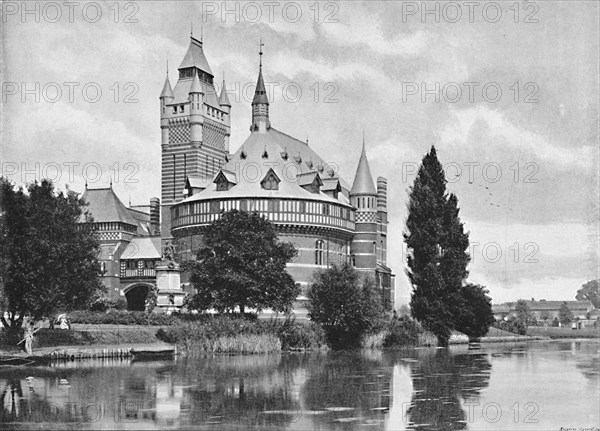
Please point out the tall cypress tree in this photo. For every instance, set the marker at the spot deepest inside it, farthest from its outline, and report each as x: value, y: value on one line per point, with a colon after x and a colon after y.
x: 437, y: 246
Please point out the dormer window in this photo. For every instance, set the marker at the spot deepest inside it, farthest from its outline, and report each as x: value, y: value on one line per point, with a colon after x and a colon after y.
x: 271, y: 181
x: 225, y: 180
x: 310, y: 181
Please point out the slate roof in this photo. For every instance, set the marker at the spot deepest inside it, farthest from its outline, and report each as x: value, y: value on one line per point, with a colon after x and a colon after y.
x: 105, y: 206
x: 143, y: 248
x: 252, y: 169
x: 181, y: 93
x: 194, y: 57
x: 363, y: 181
x: 224, y: 98
x: 260, y: 94
x: 198, y: 182
x: 167, y: 91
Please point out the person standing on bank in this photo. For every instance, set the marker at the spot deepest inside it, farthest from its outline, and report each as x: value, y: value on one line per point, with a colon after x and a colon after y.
x: 29, y: 332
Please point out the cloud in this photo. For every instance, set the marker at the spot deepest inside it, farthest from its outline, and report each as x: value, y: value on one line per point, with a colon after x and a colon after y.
x: 495, y: 126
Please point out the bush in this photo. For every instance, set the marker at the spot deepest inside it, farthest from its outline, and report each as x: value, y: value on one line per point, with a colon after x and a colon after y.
x: 221, y: 333
x: 403, y: 332
x: 120, y: 317
x: 297, y: 336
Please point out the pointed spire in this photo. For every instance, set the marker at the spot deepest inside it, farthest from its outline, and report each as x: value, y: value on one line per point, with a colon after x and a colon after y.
x: 224, y: 98
x: 260, y: 94
x: 363, y: 180
x: 260, y: 102
x: 196, y: 86
x: 167, y: 91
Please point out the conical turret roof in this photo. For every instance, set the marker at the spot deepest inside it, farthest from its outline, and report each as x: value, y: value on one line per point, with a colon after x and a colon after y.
x: 363, y: 180
x: 260, y: 94
x: 196, y: 86
x: 167, y: 91
x: 224, y: 98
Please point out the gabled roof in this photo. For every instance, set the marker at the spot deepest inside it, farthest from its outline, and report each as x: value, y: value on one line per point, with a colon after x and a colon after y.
x: 363, y: 180
x: 331, y: 184
x: 104, y: 206
x: 229, y: 176
x: 308, y: 178
x: 143, y: 248
x: 198, y: 182
x: 107, y: 251
x: 194, y: 57
x: 269, y: 174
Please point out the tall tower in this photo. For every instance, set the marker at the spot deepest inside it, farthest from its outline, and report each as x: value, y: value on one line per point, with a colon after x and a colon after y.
x: 363, y: 196
x: 195, y: 128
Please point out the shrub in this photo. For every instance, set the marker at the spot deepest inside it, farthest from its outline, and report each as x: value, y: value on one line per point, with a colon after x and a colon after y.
x: 403, y: 332
x: 296, y: 336
x: 220, y: 334
x: 120, y: 317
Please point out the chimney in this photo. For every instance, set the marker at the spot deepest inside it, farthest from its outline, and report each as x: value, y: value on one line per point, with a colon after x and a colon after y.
x: 155, y: 216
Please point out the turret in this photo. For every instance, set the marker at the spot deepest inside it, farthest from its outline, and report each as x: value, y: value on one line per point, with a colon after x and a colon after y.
x: 260, y: 103
x: 166, y: 97
x: 155, y: 216
x: 363, y: 196
x: 196, y: 96
x: 226, y: 107
x: 382, y: 219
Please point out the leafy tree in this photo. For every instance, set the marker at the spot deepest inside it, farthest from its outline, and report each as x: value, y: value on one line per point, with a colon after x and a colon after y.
x: 437, y: 244
x: 474, y: 315
x: 346, y: 307
x: 523, y: 316
x: 242, y: 264
x: 591, y: 292
x: 565, y: 315
x: 49, y: 259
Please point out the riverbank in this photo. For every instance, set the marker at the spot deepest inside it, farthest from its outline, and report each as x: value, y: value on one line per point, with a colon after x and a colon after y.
x: 45, y: 355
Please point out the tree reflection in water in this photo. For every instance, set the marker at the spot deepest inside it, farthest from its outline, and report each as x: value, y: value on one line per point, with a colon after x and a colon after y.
x: 240, y: 389
x: 349, y: 387
x: 442, y: 381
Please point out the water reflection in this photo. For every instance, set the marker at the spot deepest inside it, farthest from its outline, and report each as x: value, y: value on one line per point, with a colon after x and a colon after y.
x: 415, y: 389
x: 442, y: 383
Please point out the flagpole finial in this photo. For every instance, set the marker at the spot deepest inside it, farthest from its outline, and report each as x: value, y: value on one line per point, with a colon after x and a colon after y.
x: 260, y: 51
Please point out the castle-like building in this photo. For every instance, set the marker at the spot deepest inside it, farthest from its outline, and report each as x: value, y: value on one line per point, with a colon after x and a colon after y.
x: 273, y: 174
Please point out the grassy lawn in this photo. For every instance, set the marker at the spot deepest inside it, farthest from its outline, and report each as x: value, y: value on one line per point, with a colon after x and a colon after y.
x: 554, y: 332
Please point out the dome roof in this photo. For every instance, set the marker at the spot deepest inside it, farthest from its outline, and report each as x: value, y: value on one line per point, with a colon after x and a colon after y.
x: 287, y: 156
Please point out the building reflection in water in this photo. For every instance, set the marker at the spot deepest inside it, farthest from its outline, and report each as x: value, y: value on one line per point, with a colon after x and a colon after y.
x: 418, y: 389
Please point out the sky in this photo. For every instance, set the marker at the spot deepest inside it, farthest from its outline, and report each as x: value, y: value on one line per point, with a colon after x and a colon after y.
x: 507, y: 92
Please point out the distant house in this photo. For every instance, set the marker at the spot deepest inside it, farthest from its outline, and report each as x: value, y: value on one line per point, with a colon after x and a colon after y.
x: 544, y: 310
x: 500, y: 311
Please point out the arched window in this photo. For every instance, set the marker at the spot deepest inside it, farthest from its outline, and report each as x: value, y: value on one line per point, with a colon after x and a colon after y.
x: 319, y: 252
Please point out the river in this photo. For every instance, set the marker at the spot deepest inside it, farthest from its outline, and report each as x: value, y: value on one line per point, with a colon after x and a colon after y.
x: 534, y: 386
